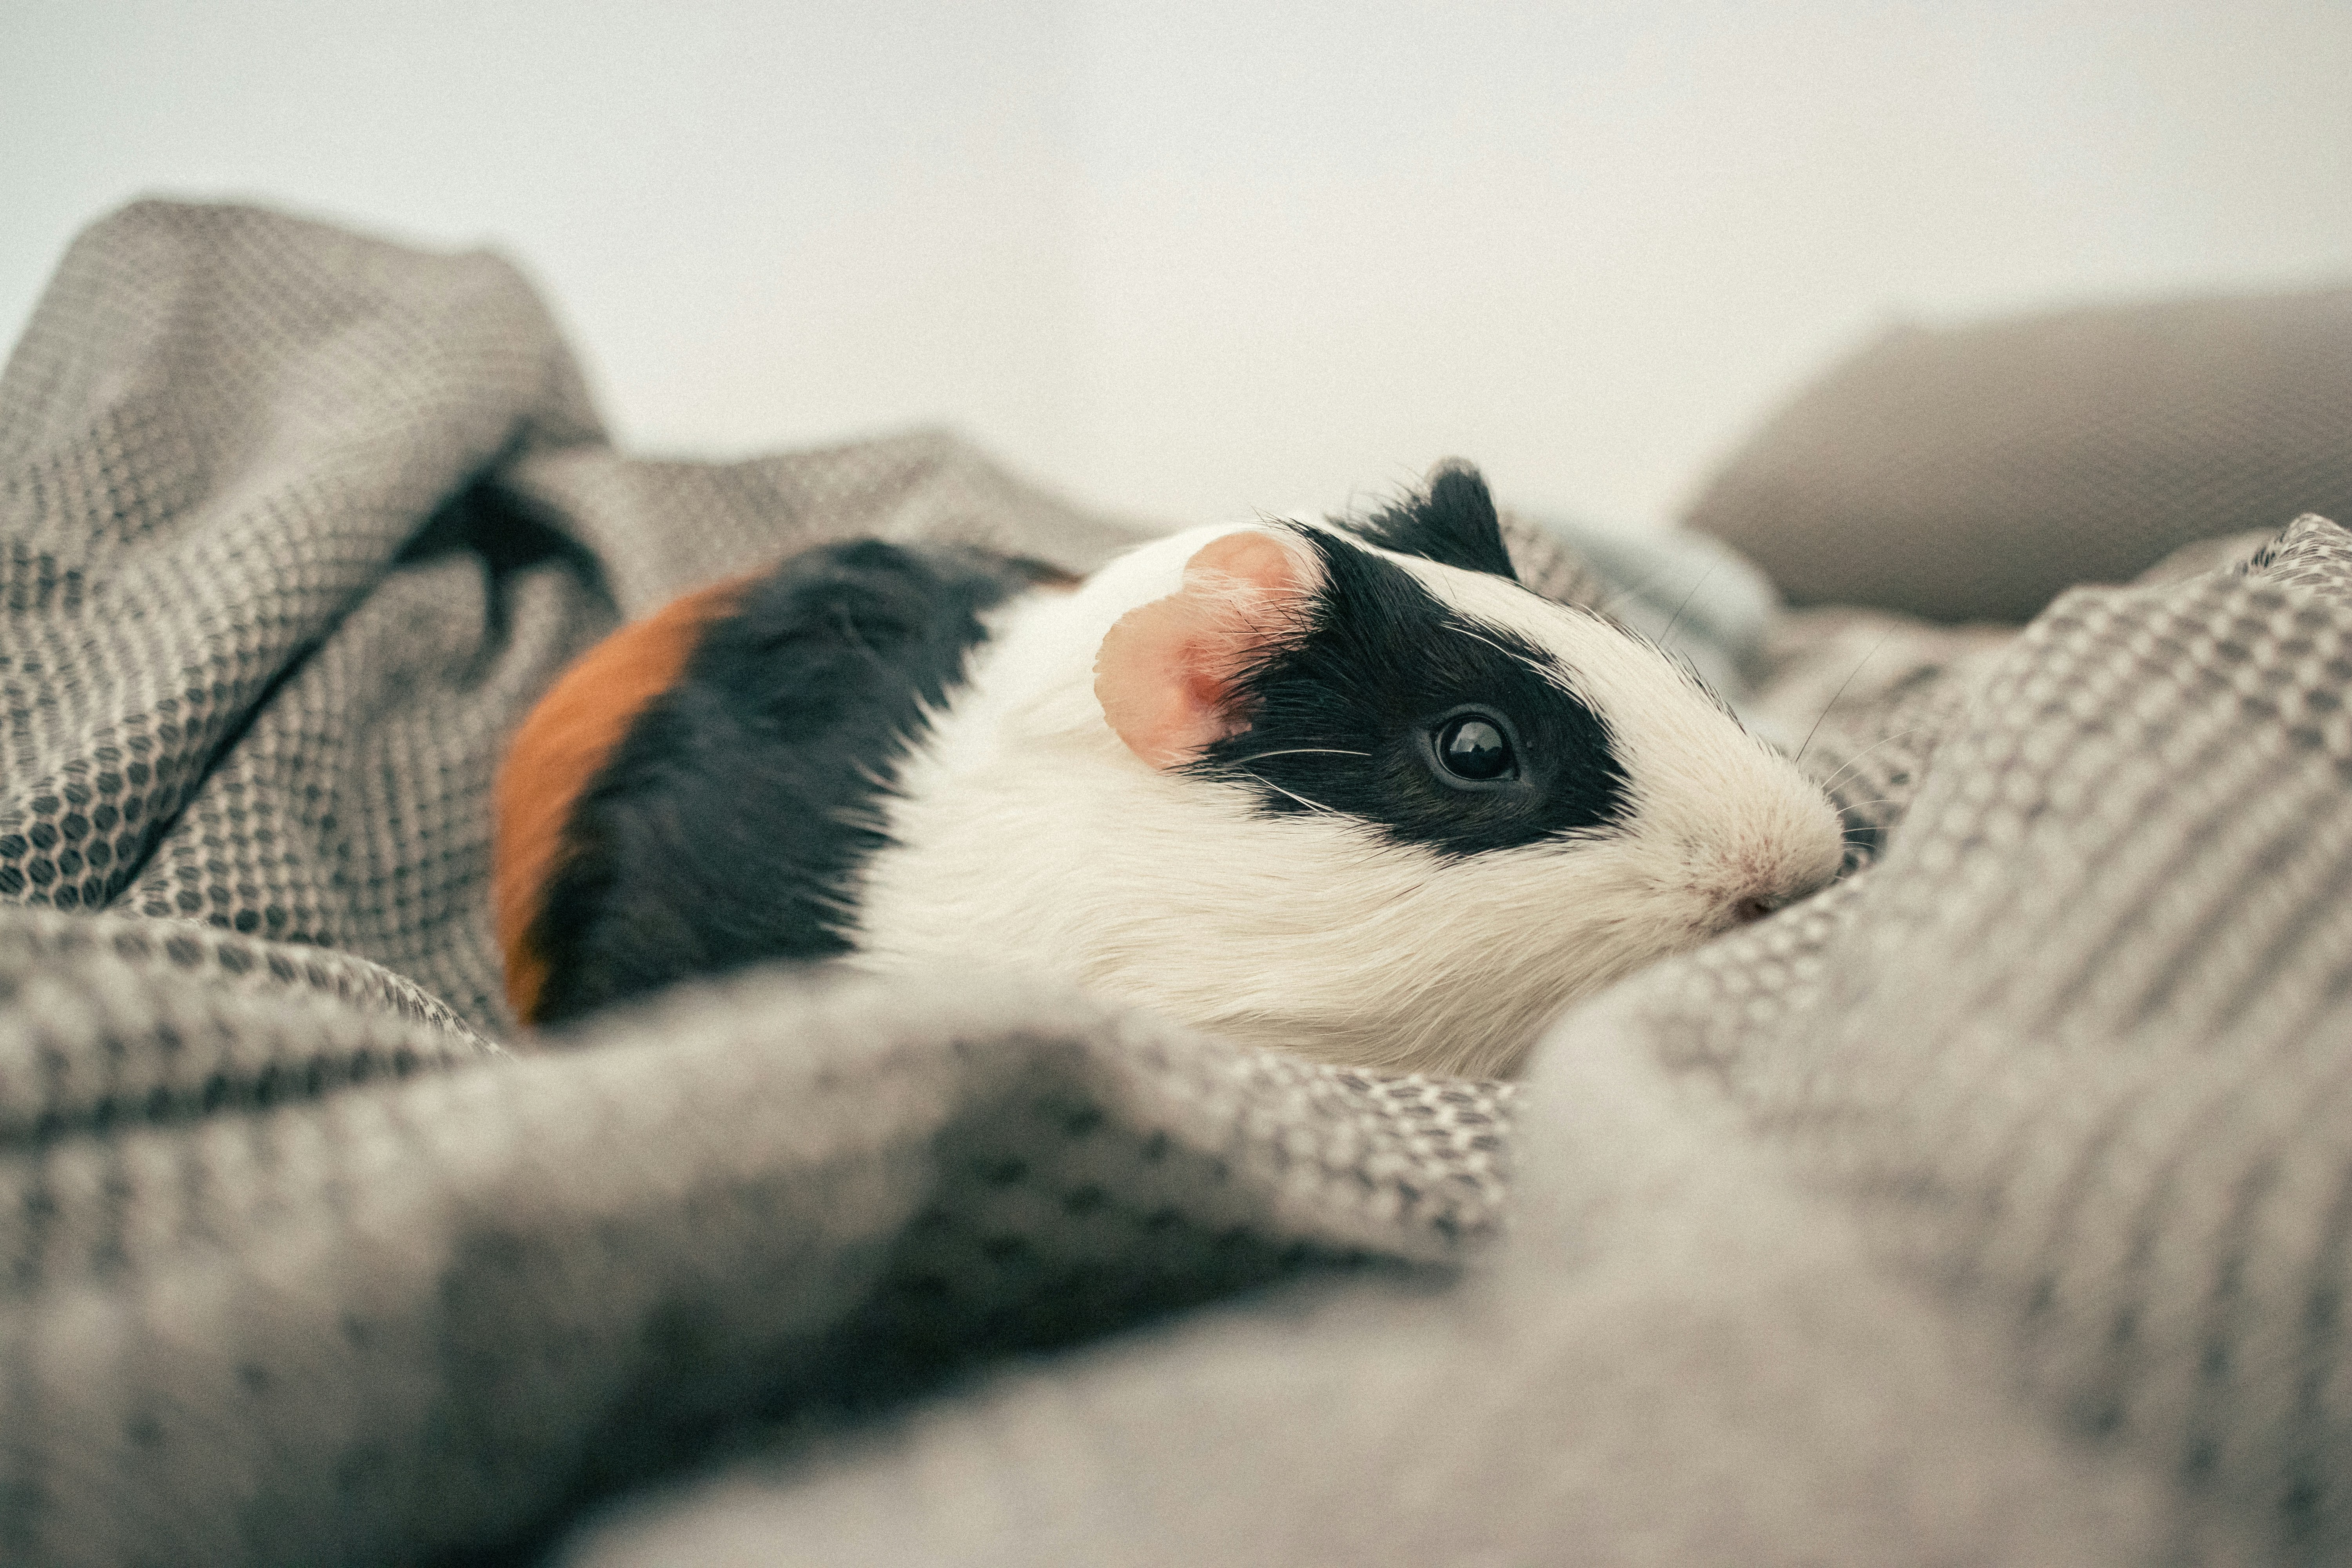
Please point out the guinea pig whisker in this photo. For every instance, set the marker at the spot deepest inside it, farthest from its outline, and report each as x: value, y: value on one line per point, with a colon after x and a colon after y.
x: 1302, y: 800
x: 1473, y: 632
x: 1840, y: 691
x: 1854, y: 760
x: 1685, y: 605
x: 1299, y: 752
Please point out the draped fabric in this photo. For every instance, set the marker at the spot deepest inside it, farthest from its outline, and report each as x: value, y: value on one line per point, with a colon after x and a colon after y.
x: 1989, y: 1208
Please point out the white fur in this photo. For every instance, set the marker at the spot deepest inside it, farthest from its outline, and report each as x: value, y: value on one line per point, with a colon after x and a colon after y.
x: 1027, y: 835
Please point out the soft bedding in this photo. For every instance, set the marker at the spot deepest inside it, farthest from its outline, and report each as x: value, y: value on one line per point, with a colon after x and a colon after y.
x: 1994, y: 1207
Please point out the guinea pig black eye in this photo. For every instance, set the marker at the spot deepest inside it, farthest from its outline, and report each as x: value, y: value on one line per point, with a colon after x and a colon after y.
x: 1473, y: 746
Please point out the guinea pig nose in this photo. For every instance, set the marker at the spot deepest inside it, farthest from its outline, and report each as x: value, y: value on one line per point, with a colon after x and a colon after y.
x: 1755, y: 908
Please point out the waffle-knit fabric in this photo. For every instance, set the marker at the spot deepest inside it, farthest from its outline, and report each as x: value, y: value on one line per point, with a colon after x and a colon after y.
x: 1985, y: 1210
x: 1990, y: 1208
x: 297, y: 525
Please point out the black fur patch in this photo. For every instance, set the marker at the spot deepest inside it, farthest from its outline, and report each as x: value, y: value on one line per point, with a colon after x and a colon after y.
x: 720, y: 829
x: 1343, y: 719
x: 1452, y: 523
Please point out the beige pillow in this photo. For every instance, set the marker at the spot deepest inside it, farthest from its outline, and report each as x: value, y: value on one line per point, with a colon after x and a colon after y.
x: 1971, y: 473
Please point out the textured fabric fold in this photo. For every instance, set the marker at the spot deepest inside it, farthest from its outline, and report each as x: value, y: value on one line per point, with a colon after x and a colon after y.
x: 1989, y: 1209
x: 300, y: 1265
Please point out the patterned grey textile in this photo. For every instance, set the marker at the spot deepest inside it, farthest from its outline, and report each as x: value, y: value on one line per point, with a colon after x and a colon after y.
x: 280, y: 1291
x: 297, y: 1263
x: 1994, y: 1208
x: 221, y: 440
x: 1987, y: 1210
x: 1971, y: 473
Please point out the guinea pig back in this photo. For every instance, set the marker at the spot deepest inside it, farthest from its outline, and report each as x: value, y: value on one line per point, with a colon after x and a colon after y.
x: 563, y: 745
x: 686, y: 799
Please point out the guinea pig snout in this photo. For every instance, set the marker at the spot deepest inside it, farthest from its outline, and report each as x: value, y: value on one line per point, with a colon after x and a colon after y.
x: 1744, y: 901
x: 1763, y: 879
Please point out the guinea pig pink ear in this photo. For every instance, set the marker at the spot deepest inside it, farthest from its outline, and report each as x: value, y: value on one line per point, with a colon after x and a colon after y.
x: 1167, y: 674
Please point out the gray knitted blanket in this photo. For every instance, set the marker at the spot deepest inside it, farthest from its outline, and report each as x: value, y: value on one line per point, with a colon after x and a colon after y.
x: 1995, y: 1208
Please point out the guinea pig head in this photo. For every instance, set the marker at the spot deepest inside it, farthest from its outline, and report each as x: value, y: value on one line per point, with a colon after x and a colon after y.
x: 1357, y: 791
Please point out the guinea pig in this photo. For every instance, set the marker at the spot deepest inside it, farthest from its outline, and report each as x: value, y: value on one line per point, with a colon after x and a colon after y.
x: 1343, y: 787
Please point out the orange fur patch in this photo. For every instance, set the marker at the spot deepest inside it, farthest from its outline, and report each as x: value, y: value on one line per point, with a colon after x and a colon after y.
x: 561, y: 746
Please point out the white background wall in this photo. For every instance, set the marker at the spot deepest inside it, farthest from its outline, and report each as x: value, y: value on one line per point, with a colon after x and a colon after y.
x: 1198, y: 259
